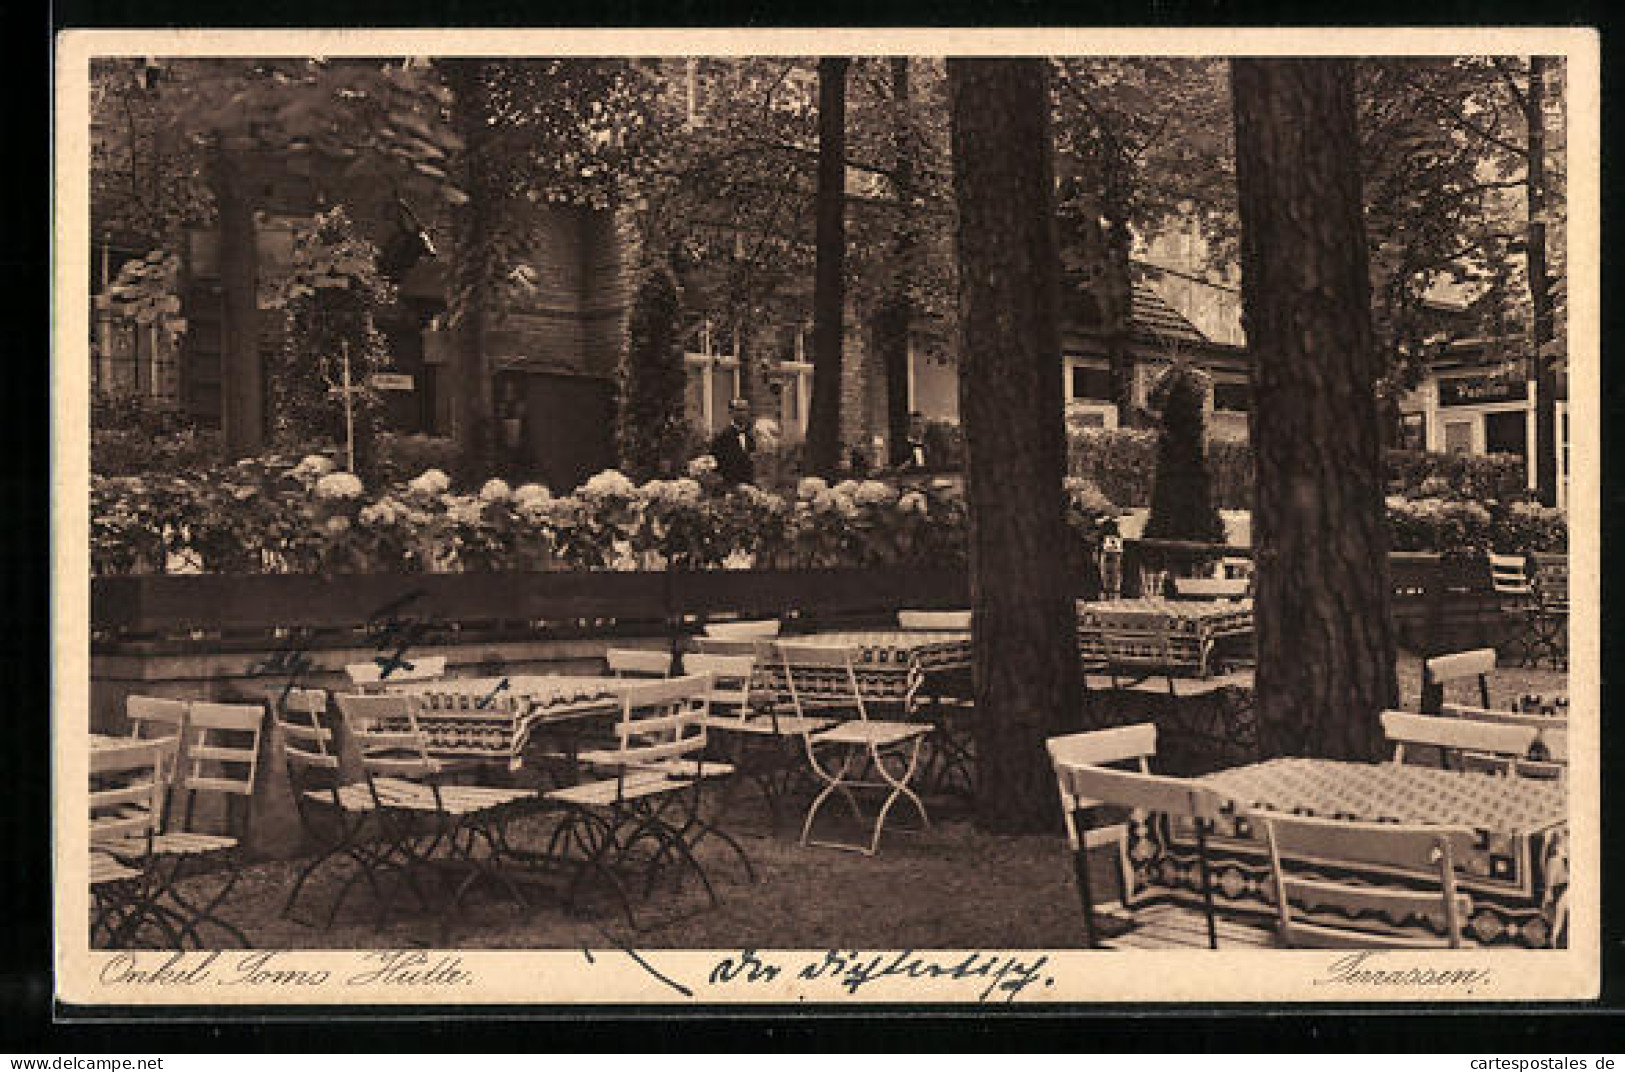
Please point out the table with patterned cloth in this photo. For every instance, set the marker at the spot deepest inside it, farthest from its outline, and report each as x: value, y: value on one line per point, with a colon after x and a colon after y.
x: 1166, y: 635
x: 1516, y: 871
x: 890, y: 664
x: 496, y: 717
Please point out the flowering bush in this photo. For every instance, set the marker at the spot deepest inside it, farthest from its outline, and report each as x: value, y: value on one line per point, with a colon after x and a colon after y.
x: 1465, y: 527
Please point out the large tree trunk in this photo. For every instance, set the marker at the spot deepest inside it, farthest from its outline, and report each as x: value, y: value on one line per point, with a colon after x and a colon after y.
x: 829, y: 282
x: 1540, y: 291
x: 1026, y: 654
x: 242, y: 372
x: 1325, y: 638
x: 473, y: 407
x: 896, y: 314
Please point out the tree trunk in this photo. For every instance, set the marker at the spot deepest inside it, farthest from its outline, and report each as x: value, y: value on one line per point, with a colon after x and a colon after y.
x: 473, y: 409
x: 1325, y: 637
x: 242, y: 372
x: 829, y: 282
x: 1026, y: 655
x: 896, y: 315
x: 1540, y: 292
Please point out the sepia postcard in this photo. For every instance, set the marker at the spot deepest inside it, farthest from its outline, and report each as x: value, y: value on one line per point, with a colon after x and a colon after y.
x: 562, y: 517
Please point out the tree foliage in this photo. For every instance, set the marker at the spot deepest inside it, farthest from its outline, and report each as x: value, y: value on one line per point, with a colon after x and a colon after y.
x: 651, y: 431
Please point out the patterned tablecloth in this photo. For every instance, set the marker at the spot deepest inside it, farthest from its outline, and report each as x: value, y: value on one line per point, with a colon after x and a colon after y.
x: 1516, y: 870
x: 890, y: 664
x: 494, y: 718
x: 1165, y: 635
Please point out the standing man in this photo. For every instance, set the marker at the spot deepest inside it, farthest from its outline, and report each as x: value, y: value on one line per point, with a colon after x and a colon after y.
x: 914, y: 456
x: 734, y: 446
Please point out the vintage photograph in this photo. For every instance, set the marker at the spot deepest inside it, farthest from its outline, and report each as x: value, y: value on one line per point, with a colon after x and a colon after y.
x: 767, y: 517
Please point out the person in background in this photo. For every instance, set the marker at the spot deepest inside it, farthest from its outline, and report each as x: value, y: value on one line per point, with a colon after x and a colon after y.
x: 735, y: 446
x: 915, y: 458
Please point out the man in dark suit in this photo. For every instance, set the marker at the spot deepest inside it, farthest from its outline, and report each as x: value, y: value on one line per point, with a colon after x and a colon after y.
x: 915, y: 459
x: 734, y: 446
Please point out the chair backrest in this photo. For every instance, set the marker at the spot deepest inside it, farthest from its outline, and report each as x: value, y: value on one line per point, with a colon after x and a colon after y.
x: 730, y: 681
x: 1406, y: 849
x: 1134, y: 789
x: 1122, y: 744
x: 638, y: 662
x: 223, y: 748
x: 1551, y: 578
x: 308, y: 742
x: 663, y: 721
x: 386, y: 734
x: 763, y: 649
x: 1510, y: 718
x: 1440, y: 670
x: 126, y: 791
x: 1509, y: 575
x: 820, y: 678
x: 1405, y: 729
x: 945, y: 620
x: 153, y: 718
x: 410, y: 668
x: 766, y: 628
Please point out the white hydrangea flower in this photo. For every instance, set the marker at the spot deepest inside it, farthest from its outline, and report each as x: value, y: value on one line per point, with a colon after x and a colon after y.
x: 431, y: 482
x: 874, y: 493
x: 686, y: 490
x: 464, y: 511
x: 848, y: 487
x: 312, y: 466
x: 339, y: 486
x: 495, y: 490
x: 912, y: 502
x: 811, y: 487
x: 338, y: 524
x: 609, y: 484
x: 702, y: 466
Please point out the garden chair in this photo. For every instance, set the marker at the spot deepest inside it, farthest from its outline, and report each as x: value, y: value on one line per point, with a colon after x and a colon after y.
x: 1551, y: 614
x: 221, y: 761
x: 370, y: 677
x: 637, y: 662
x: 1515, y: 596
x: 126, y: 808
x: 152, y: 718
x: 337, y: 814
x: 744, y: 630
x: 1359, y: 907
x: 656, y: 770
x: 1086, y: 785
x: 433, y: 828
x: 935, y: 620
x: 859, y: 753
x: 1439, y: 671
x: 1476, y: 745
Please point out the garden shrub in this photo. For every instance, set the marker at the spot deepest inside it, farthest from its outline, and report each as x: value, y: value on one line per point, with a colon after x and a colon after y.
x: 1417, y: 474
x: 1182, y: 494
x: 650, y: 428
x: 401, y: 456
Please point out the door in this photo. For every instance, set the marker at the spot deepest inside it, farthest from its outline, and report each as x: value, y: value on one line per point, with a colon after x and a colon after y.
x: 569, y: 425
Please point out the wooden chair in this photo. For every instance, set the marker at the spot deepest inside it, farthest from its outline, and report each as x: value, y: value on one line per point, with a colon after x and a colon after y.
x: 221, y: 761
x: 935, y: 620
x: 1439, y: 671
x: 163, y: 720
x: 744, y: 630
x: 1096, y: 748
x: 433, y: 828
x: 656, y: 768
x: 1085, y: 786
x: 1296, y: 840
x: 337, y: 814
x: 858, y: 753
x: 637, y: 662
x: 126, y: 809
x: 1515, y: 596
x: 1482, y: 745
x: 369, y: 676
x: 1551, y: 614
x: 762, y: 741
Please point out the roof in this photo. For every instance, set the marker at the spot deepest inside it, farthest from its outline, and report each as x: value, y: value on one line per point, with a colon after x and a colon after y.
x: 1157, y: 322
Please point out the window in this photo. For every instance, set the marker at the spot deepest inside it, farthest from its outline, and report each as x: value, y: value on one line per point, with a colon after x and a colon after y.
x: 1458, y: 437
x: 1090, y: 384
x: 1413, y: 431
x: 1235, y: 397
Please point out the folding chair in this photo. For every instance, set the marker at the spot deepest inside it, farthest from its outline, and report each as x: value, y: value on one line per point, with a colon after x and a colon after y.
x: 370, y: 676
x: 761, y: 741
x: 221, y: 760
x: 126, y: 806
x: 153, y: 718
x: 1551, y: 613
x: 1439, y: 671
x: 431, y: 827
x: 1360, y: 906
x: 951, y: 761
x: 337, y: 815
x: 1084, y: 786
x: 1096, y: 748
x: 637, y: 662
x: 1485, y: 746
x: 657, y: 766
x: 861, y: 751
